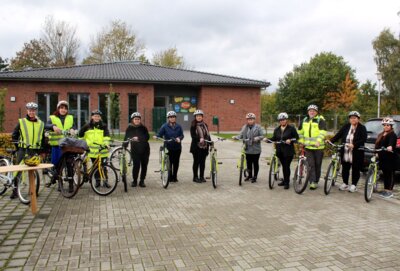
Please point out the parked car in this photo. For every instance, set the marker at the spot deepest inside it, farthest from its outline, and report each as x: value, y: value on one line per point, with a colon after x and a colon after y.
x: 374, y: 127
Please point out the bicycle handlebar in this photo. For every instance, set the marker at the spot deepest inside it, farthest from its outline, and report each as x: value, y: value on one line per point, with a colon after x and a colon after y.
x: 373, y: 150
x: 335, y: 145
x: 165, y: 140
x: 280, y: 141
x: 213, y: 141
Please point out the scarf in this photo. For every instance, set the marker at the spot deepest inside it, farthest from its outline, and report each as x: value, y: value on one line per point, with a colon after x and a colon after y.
x: 202, y: 132
x: 348, y: 153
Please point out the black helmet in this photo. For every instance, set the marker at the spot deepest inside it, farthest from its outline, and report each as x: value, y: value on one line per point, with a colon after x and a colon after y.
x: 97, y: 112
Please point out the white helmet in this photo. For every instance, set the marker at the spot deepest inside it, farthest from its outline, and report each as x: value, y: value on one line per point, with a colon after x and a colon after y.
x: 312, y: 106
x: 136, y: 115
x: 198, y: 112
x: 60, y: 103
x: 250, y: 116
x: 32, y: 106
x: 171, y: 114
x: 283, y: 116
x: 388, y: 120
x: 354, y: 113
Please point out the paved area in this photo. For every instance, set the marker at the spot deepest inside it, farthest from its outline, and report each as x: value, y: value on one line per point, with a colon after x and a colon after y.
x: 192, y: 226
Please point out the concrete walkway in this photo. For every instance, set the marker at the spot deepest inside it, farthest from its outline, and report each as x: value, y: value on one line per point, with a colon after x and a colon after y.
x: 192, y: 226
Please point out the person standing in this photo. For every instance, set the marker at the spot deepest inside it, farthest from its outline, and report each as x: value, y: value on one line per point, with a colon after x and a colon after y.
x: 387, y: 159
x: 96, y: 133
x: 285, y: 151
x: 312, y: 132
x: 29, y: 133
x: 198, y: 147
x: 353, y: 135
x: 253, y: 134
x: 140, y: 148
x: 172, y: 130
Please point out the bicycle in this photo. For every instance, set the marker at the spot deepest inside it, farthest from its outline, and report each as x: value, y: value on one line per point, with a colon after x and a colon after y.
x: 372, y: 174
x: 333, y: 168
x: 102, y: 176
x: 165, y: 163
x: 121, y: 152
x: 302, y: 173
x: 241, y: 165
x: 213, y: 161
x: 116, y: 154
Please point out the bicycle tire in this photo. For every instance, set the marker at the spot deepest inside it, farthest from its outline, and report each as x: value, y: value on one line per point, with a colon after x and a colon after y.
x: 329, y: 179
x: 123, y: 173
x: 115, y: 157
x: 82, y: 171
x: 165, y: 172
x: 4, y: 162
x: 272, y: 174
x: 214, y: 172
x: 106, y: 174
x: 69, y: 186
x: 24, y: 194
x: 369, y: 185
x: 300, y: 182
x: 241, y: 169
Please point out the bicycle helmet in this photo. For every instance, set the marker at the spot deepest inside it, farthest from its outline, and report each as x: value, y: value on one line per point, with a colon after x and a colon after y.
x: 60, y: 103
x: 198, y: 112
x: 96, y: 112
x: 32, y: 160
x: 283, y: 116
x: 171, y: 114
x: 387, y: 120
x: 312, y: 106
x: 354, y: 113
x: 250, y: 116
x: 32, y: 105
x: 136, y: 115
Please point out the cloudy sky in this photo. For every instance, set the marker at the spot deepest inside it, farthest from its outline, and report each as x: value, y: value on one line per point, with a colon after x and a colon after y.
x: 257, y: 39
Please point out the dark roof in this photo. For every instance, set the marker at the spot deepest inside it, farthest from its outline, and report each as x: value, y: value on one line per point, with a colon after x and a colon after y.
x: 130, y: 71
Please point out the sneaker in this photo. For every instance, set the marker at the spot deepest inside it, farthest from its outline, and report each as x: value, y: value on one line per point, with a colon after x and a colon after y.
x: 203, y: 180
x: 286, y: 186
x: 282, y: 183
x: 313, y: 186
x: 343, y: 187
x: 387, y: 195
x: 134, y: 184
x: 97, y: 183
x: 253, y: 180
x: 14, y: 194
x: 352, y: 188
x: 141, y: 183
x: 106, y: 185
x: 248, y: 178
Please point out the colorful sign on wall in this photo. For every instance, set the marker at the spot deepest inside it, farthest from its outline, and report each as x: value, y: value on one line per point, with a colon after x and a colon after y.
x: 184, y: 104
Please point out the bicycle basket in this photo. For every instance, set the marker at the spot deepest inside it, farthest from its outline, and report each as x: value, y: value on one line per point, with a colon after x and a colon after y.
x: 72, y: 149
x: 73, y: 145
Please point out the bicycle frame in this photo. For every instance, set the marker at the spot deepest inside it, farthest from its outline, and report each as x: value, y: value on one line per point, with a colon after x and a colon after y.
x: 213, y: 161
x: 164, y: 162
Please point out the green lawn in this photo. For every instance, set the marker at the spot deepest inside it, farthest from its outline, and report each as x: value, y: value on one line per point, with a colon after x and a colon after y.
x: 229, y: 135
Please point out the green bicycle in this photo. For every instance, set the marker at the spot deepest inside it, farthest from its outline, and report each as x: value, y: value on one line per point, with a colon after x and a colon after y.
x: 213, y: 161
x: 165, y: 164
x: 333, y: 168
x: 242, y: 164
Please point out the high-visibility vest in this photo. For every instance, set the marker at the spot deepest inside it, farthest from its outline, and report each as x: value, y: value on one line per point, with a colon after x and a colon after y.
x: 31, y: 133
x: 310, y: 133
x: 93, y: 136
x: 68, y: 123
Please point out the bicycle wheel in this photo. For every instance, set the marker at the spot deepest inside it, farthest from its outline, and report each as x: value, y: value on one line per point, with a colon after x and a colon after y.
x: 241, y: 169
x: 124, y: 170
x: 214, y: 172
x: 301, y: 177
x: 329, y: 178
x: 165, y: 172
x: 369, y: 185
x: 273, y: 176
x: 104, y: 180
x: 115, y: 157
x: 69, y: 176
x: 3, y: 184
x: 24, y: 194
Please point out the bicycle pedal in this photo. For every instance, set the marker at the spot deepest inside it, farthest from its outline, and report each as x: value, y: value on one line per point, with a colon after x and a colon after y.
x: 157, y: 171
x: 219, y: 163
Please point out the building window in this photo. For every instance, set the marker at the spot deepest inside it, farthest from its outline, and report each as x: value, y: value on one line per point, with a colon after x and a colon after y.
x: 104, y: 101
x: 47, y: 103
x: 132, y: 105
x: 79, y: 108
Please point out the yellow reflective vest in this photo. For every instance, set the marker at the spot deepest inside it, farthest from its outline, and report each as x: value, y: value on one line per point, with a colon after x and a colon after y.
x: 312, y: 131
x: 68, y: 123
x: 31, y: 133
x: 96, y: 137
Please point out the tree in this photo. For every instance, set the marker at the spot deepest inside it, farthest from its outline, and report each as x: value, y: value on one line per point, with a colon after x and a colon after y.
x: 169, y: 58
x: 387, y: 55
x: 310, y: 82
x: 61, y: 41
x: 33, y: 55
x: 366, y: 101
x: 3, y: 93
x: 269, y: 110
x: 3, y: 64
x: 114, y: 109
x: 117, y: 42
x: 341, y: 99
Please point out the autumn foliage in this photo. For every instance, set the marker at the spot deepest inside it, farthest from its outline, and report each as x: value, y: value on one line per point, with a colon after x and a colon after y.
x: 343, y: 98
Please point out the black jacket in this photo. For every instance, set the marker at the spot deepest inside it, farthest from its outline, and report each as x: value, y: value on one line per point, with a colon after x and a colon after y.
x: 196, y: 139
x: 360, y: 136
x: 289, y: 133
x: 386, y: 141
x: 142, y: 146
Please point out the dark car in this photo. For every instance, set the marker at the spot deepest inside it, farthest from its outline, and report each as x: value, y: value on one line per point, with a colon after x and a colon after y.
x: 374, y: 127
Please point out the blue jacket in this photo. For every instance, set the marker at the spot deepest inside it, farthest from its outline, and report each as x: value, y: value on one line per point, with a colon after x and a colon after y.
x: 168, y: 132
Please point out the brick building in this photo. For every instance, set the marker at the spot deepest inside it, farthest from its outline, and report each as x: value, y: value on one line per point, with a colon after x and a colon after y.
x: 151, y: 90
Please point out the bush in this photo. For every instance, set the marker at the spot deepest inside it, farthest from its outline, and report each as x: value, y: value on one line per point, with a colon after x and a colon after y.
x: 6, y: 144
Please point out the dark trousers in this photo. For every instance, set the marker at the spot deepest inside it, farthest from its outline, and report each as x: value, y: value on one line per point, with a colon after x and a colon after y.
x: 285, y: 162
x: 199, y: 160
x: 140, y: 162
x: 252, y: 163
x: 174, y: 156
x: 388, y: 174
x: 97, y: 174
x: 314, y: 158
x: 355, y: 172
